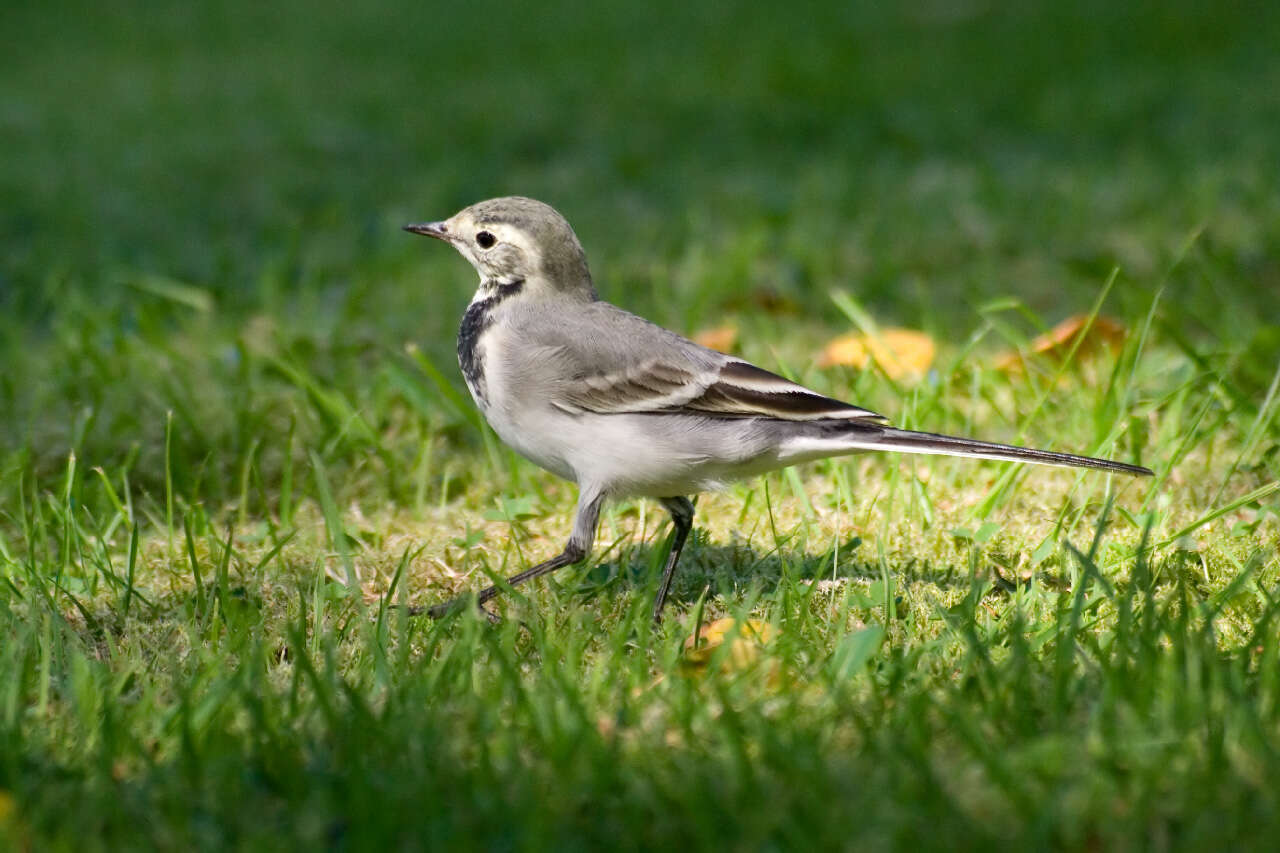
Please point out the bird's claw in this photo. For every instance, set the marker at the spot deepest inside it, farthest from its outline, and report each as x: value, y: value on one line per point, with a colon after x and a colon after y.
x: 439, y: 611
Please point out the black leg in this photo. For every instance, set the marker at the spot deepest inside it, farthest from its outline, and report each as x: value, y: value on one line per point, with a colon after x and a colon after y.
x: 681, y: 510
x: 584, y: 531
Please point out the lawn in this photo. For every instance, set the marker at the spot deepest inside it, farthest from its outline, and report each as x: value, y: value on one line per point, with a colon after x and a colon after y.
x: 234, y: 442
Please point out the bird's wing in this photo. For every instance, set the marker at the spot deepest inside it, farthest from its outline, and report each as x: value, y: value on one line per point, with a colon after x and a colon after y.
x: 734, y: 389
x: 622, y: 363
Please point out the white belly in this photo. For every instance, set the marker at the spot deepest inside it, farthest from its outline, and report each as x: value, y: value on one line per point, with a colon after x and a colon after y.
x: 630, y: 454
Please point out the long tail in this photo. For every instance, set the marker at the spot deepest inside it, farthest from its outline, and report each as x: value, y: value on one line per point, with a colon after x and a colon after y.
x: 909, y: 441
x: 835, y: 437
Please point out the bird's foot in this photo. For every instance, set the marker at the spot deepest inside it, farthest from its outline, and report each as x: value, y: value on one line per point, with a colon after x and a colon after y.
x: 439, y: 611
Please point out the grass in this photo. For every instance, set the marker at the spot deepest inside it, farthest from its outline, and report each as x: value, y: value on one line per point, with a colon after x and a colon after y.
x: 233, y: 441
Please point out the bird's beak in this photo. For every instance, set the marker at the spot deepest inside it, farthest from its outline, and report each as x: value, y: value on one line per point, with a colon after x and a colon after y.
x: 429, y: 229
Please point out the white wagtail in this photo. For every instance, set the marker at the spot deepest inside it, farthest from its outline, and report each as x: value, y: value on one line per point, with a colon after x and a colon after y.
x: 624, y: 408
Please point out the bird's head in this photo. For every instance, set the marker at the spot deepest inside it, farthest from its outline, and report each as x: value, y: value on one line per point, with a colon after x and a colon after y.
x: 516, y: 239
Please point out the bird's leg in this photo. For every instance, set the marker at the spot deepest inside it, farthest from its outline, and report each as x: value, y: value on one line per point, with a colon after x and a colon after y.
x: 681, y: 510
x: 579, y: 546
x: 571, y: 554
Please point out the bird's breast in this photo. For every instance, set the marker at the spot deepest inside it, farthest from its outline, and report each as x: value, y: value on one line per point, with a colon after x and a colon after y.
x: 472, y: 334
x: 475, y: 324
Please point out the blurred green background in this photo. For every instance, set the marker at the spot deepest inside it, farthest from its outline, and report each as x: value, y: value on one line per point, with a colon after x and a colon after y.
x: 936, y: 151
x: 206, y: 174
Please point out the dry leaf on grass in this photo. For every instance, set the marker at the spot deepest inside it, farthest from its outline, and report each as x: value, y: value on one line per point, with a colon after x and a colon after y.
x: 720, y: 338
x: 747, y: 643
x: 898, y: 352
x: 1104, y: 333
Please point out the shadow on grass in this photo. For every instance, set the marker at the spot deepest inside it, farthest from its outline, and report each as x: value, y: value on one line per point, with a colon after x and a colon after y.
x: 737, y: 569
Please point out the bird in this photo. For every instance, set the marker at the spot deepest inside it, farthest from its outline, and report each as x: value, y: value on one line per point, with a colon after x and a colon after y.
x: 625, y: 408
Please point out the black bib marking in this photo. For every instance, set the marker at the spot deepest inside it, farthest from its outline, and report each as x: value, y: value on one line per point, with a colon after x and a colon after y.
x: 479, y: 317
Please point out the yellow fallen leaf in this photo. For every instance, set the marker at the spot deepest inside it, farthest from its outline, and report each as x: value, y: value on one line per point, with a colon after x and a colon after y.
x: 702, y: 646
x: 898, y: 352
x: 720, y: 338
x: 1103, y: 333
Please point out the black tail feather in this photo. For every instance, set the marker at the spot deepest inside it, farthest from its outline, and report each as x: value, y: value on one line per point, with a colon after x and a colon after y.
x: 910, y: 441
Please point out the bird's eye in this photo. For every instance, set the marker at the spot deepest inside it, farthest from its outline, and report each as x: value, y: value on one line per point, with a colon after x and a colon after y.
x: 486, y: 240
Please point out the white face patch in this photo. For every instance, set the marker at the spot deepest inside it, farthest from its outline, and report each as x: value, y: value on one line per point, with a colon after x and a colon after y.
x: 499, y: 252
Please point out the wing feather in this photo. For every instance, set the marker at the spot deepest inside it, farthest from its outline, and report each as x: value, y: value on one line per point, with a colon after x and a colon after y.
x: 611, y: 362
x: 734, y: 389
